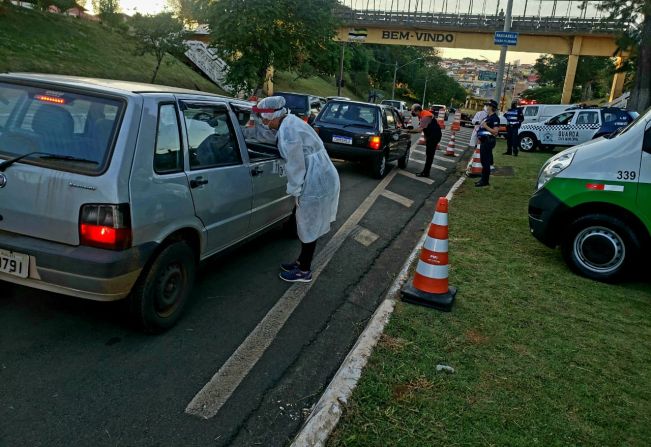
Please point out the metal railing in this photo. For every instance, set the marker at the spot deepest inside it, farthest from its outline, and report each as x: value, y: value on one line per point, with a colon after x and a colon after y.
x: 476, y: 22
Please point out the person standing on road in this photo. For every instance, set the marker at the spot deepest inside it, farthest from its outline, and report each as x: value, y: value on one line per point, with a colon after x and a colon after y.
x: 432, y: 133
x: 514, y: 118
x: 488, y: 130
x: 311, y: 178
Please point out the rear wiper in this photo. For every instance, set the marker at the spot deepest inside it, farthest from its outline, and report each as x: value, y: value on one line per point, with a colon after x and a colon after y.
x: 67, y: 157
x: 45, y: 155
x: 365, y: 126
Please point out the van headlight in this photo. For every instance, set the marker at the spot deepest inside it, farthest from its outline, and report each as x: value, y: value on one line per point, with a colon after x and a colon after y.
x: 558, y: 163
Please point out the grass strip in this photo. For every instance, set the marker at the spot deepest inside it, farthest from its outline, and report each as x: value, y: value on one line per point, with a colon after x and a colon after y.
x: 542, y: 356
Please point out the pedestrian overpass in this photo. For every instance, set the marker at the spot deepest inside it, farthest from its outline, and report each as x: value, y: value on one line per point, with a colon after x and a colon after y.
x: 574, y: 28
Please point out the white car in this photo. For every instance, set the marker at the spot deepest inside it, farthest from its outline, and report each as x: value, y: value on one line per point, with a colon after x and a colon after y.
x: 572, y: 127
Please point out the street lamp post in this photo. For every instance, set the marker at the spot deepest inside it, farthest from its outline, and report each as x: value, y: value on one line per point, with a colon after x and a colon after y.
x: 395, y: 74
x: 424, y: 91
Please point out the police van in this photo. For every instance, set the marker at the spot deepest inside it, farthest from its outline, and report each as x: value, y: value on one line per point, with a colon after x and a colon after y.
x: 594, y: 200
x: 573, y: 126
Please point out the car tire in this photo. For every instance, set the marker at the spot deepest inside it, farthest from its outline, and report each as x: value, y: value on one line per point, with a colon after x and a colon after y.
x: 379, y: 166
x: 527, y: 142
x: 162, y: 291
x: 600, y: 247
x: 402, y: 161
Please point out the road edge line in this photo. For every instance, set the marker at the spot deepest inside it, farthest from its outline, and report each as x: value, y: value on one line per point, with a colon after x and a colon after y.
x: 327, y: 411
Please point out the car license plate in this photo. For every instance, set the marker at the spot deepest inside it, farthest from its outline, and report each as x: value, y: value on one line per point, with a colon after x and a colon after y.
x: 342, y: 140
x: 13, y: 263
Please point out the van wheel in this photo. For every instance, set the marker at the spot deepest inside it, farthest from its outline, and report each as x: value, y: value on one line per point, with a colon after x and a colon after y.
x: 600, y: 247
x: 527, y: 142
x: 162, y: 290
x: 402, y: 161
x: 379, y: 166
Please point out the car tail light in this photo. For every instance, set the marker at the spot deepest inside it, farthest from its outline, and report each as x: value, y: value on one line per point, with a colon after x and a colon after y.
x: 105, y: 226
x: 374, y: 142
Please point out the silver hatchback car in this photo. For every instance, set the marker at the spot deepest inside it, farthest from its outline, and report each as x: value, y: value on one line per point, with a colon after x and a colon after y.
x: 113, y: 190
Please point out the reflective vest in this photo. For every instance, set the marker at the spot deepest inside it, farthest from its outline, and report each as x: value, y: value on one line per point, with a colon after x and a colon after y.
x: 512, y: 117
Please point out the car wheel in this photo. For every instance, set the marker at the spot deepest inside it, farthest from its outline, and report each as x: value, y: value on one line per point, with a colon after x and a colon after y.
x: 527, y: 142
x: 163, y: 288
x: 402, y: 161
x: 600, y: 247
x: 379, y: 166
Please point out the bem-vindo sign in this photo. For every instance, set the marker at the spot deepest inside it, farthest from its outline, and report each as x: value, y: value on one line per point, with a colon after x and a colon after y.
x: 419, y: 36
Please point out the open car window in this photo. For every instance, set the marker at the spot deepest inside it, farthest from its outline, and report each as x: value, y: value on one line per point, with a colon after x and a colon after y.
x: 260, y: 142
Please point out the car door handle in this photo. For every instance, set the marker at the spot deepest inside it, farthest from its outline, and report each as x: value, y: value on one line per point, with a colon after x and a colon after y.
x: 257, y: 171
x: 199, y: 181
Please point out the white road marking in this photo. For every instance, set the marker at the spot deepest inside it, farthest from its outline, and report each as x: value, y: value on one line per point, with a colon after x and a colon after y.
x: 402, y: 200
x: 207, y: 402
x: 447, y: 160
x: 440, y: 168
x: 429, y: 181
x: 365, y: 237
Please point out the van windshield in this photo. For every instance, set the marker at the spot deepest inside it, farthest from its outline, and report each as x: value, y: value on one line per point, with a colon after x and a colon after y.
x: 75, y: 129
x: 644, y: 118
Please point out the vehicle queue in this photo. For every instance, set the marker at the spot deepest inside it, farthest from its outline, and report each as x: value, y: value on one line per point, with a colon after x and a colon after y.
x: 131, y: 211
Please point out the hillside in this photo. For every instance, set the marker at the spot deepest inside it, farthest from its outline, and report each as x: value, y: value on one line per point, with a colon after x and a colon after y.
x: 33, y: 41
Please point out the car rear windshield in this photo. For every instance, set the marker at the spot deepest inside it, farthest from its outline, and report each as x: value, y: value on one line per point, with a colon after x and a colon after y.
x: 77, y: 129
x: 349, y: 114
x: 395, y: 104
x: 296, y: 103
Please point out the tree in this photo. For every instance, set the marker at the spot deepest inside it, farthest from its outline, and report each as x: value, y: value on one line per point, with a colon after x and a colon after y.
x: 158, y: 35
x: 286, y: 34
x: 593, y: 75
x: 190, y: 12
x: 107, y: 10
x: 634, y: 18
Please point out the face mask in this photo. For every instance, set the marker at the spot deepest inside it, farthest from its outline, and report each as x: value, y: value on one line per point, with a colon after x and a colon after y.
x: 486, y: 109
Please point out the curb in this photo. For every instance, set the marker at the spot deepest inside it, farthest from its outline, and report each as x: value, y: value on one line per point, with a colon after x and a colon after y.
x: 328, y: 410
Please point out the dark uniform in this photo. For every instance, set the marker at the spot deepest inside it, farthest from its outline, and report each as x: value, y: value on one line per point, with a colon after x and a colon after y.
x: 433, y: 136
x: 514, y: 118
x: 487, y: 143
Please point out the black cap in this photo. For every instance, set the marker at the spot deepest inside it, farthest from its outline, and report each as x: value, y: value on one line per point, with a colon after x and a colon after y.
x: 491, y: 103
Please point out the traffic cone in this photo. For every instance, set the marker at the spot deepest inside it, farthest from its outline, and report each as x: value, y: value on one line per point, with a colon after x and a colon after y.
x: 421, y: 140
x: 430, y: 286
x: 449, y: 150
x: 441, y: 118
x: 456, y: 125
x: 474, y: 166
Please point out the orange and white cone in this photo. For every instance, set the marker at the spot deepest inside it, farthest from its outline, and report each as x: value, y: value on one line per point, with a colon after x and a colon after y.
x: 456, y: 125
x: 474, y: 166
x: 421, y: 140
x: 430, y: 286
x: 449, y: 150
x: 441, y: 118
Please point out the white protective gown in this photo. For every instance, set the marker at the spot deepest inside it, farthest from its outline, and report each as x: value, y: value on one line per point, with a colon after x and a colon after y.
x: 311, y: 178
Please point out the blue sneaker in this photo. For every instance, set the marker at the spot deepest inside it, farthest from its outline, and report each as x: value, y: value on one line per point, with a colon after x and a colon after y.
x: 296, y: 275
x: 289, y: 266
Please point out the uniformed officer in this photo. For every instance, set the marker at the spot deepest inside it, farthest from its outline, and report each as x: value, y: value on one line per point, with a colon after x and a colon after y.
x: 488, y: 130
x: 432, y: 133
x: 514, y: 118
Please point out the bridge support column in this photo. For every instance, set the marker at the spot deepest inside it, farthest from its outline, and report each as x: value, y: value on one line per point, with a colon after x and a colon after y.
x: 570, y: 73
x: 618, y: 81
x: 268, y: 86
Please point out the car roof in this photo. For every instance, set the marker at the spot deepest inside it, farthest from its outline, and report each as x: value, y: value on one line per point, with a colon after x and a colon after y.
x: 113, y: 85
x: 361, y: 103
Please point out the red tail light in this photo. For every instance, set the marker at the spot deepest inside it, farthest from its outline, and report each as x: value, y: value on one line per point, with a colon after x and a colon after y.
x: 375, y: 142
x: 105, y: 226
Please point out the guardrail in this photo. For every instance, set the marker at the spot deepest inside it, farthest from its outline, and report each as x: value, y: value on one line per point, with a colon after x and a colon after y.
x: 563, y: 25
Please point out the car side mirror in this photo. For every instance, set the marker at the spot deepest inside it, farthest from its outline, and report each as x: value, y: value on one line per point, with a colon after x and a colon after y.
x: 311, y: 119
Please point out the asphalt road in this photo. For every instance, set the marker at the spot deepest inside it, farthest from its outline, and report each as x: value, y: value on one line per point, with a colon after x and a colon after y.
x: 72, y: 373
